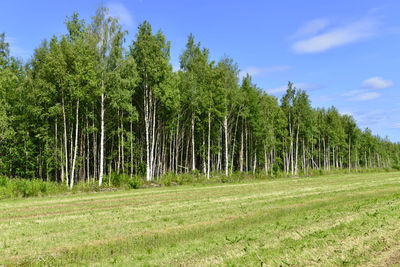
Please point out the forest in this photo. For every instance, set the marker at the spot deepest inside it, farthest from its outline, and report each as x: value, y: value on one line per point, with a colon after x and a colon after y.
x: 88, y: 105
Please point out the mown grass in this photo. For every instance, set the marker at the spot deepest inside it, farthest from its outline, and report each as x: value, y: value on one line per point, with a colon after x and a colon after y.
x: 330, y: 220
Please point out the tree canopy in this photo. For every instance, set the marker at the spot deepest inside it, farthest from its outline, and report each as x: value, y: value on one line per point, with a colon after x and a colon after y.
x: 87, y: 105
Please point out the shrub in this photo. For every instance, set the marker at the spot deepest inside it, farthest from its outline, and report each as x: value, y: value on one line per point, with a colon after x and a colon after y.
x: 396, y: 167
x: 135, y: 182
x: 125, y: 181
x: 168, y: 178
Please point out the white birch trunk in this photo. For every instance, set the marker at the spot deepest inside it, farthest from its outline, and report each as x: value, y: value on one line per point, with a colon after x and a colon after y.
x: 193, y: 152
x: 208, y: 145
x: 147, y: 126
x: 102, y: 139
x: 226, y: 146
x: 65, y: 143
x: 297, y: 150
x: 76, y: 145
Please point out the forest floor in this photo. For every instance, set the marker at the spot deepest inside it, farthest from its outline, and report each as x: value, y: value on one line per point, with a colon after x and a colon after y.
x: 351, y: 219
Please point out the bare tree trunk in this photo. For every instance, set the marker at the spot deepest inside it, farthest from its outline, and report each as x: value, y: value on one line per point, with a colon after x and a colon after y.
x: 291, y: 144
x: 203, y: 155
x: 76, y: 145
x: 234, y: 143
x: 147, y: 126
x: 208, y: 146
x: 94, y: 149
x: 272, y: 160
x: 247, y: 150
x: 312, y: 150
x: 297, y: 150
x: 255, y: 160
x: 218, y: 166
x: 193, y: 152
x: 266, y: 160
x: 131, y: 141
x: 62, y: 163
x: 187, y: 165
x: 65, y: 142
x: 153, y: 139
x: 119, y: 143
x: 122, y: 144
x: 177, y: 145
x: 55, y: 151
x: 82, y: 170
x: 226, y: 146
x: 102, y: 138
x: 349, y: 152
x: 319, y: 151
x: 171, y: 152
x: 88, y: 148
x: 304, y: 158
x: 241, y: 150
x: 325, y: 165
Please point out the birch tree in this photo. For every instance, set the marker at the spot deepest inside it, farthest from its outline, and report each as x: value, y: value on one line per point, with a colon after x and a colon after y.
x: 106, y: 32
x: 151, y: 53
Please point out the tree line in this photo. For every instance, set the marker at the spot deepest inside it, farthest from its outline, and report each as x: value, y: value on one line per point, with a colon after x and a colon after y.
x: 87, y: 104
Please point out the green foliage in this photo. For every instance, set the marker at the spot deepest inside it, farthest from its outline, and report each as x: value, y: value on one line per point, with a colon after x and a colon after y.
x: 125, y: 181
x: 12, y: 188
x: 83, y: 98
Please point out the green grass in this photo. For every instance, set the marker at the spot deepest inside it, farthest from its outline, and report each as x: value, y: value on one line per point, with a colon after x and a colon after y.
x: 330, y: 220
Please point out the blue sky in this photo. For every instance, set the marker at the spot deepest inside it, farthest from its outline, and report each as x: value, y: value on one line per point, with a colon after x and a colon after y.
x: 344, y: 53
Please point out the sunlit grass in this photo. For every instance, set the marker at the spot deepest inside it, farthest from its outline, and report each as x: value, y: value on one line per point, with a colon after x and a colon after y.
x: 330, y: 220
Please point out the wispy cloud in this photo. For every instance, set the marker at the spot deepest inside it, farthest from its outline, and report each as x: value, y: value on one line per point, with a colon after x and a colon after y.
x: 304, y: 86
x: 15, y: 49
x: 376, y: 83
x: 367, y: 96
x: 119, y: 11
x: 308, y: 86
x: 353, y: 92
x: 310, y: 28
x: 277, y: 90
x: 261, y: 71
x: 396, y: 125
x: 366, y: 91
x: 371, y: 117
x: 334, y: 36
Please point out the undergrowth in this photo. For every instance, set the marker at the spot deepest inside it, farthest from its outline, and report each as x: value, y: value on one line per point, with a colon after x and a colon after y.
x: 18, y: 187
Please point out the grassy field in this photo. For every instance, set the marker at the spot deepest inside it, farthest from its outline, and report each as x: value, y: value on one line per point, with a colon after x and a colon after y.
x: 322, y: 221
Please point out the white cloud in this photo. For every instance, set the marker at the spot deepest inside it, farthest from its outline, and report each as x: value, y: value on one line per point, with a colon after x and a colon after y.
x: 396, y: 125
x: 310, y: 28
x: 304, y: 86
x: 257, y: 71
x: 15, y: 49
x: 367, y: 96
x: 371, y: 117
x: 376, y: 83
x: 366, y: 93
x: 119, y: 11
x: 352, y: 92
x: 308, y: 86
x: 337, y: 36
x: 277, y: 90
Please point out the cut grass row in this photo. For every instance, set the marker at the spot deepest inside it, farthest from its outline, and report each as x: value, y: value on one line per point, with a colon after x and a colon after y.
x: 330, y: 220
